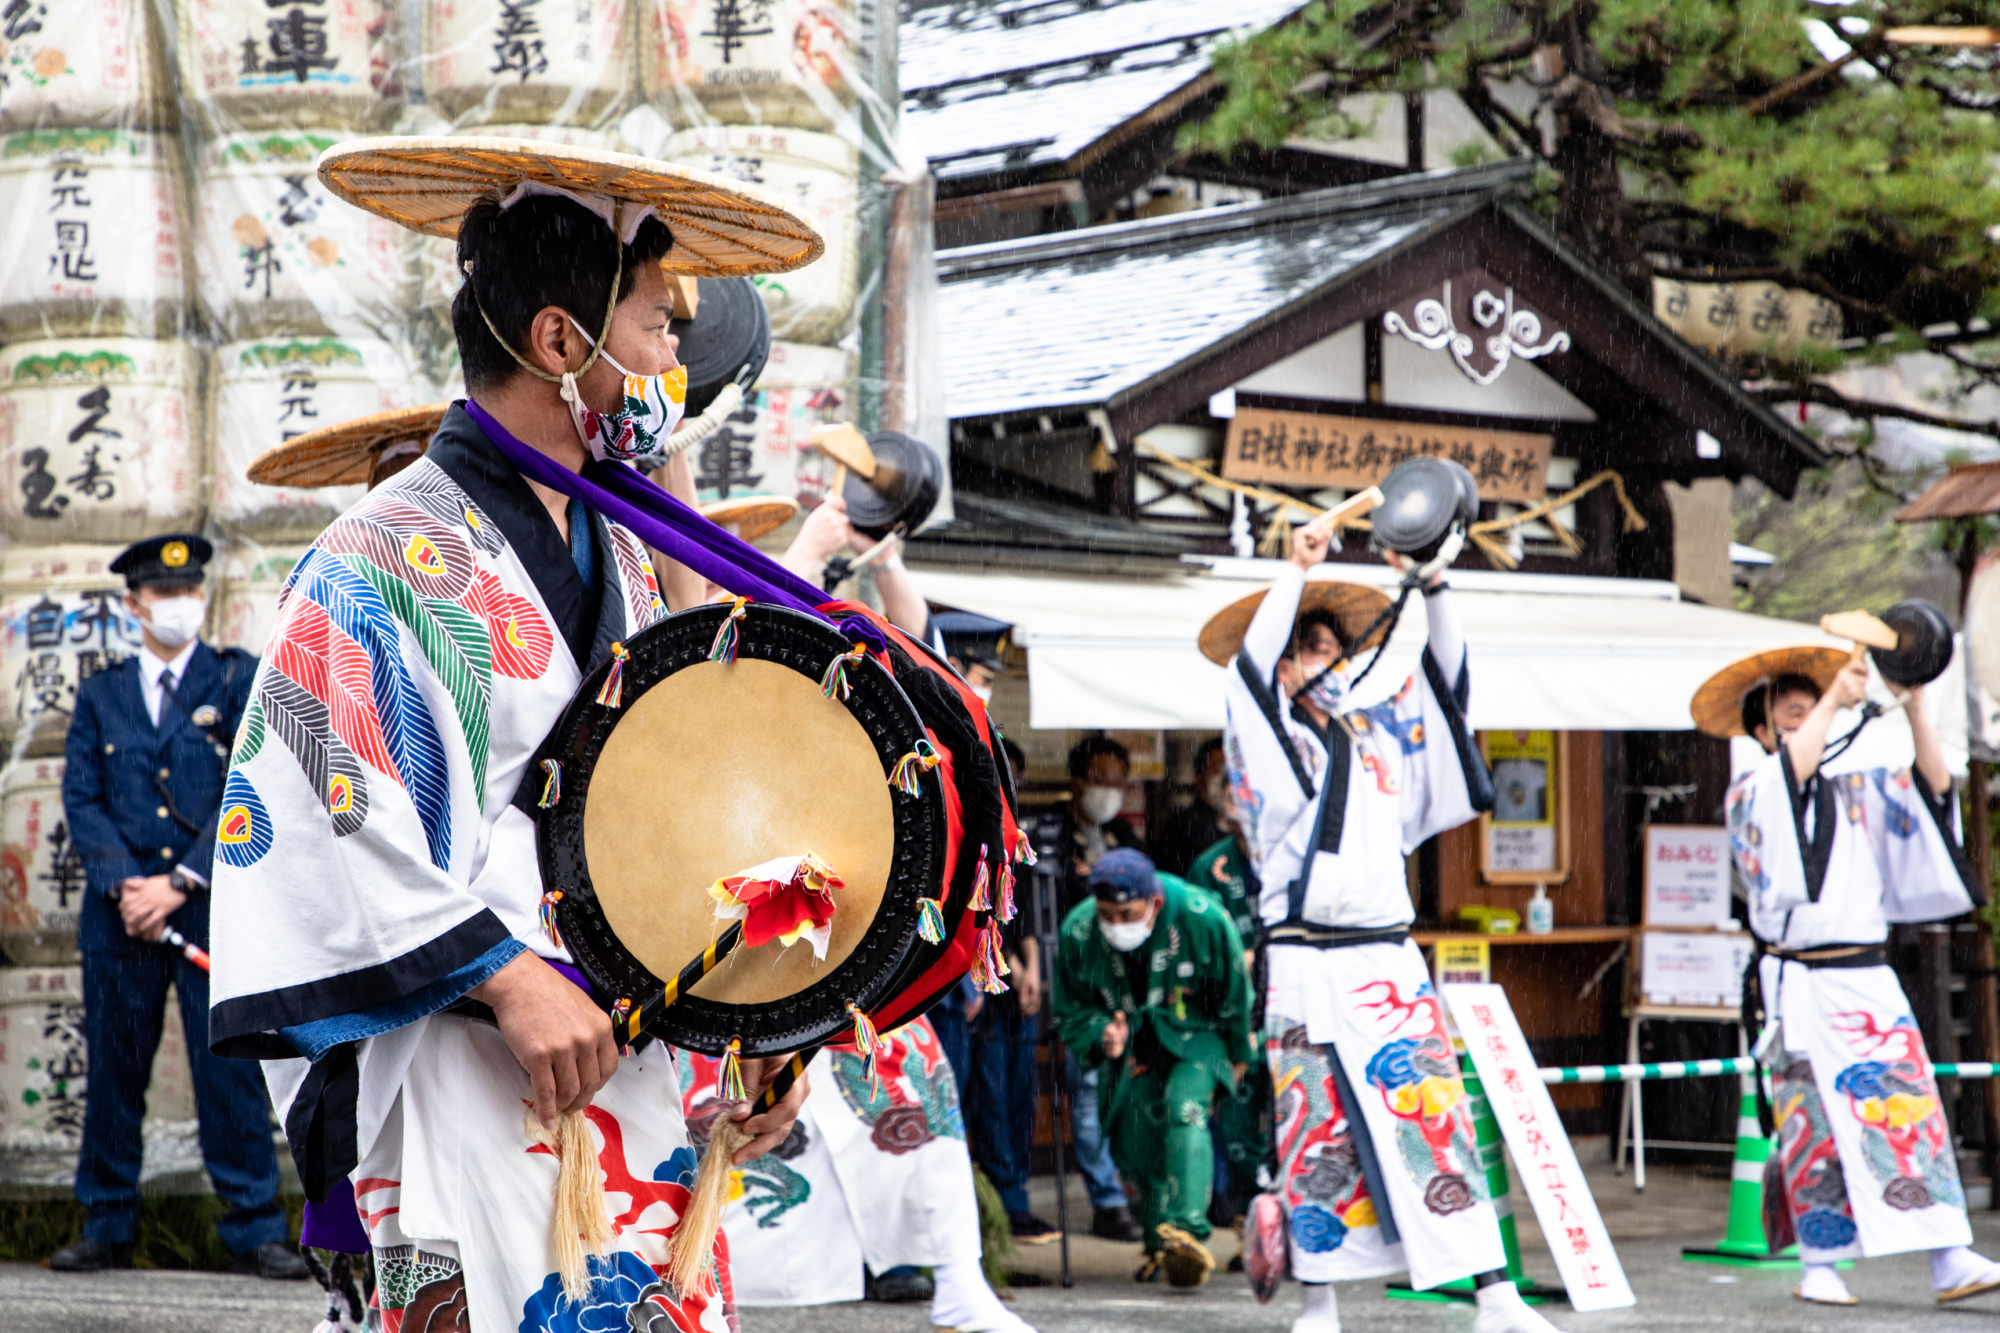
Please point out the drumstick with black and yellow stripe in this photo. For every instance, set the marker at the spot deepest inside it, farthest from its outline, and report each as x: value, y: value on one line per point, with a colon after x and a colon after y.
x: 631, y: 1022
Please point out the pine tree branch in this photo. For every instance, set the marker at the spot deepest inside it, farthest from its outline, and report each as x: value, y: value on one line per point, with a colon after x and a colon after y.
x: 1492, y: 114
x: 1825, y: 395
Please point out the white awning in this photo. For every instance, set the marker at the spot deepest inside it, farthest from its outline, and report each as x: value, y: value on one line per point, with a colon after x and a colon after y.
x: 1547, y: 651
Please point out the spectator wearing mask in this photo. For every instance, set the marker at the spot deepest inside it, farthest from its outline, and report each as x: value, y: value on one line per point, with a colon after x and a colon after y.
x: 976, y: 646
x: 1198, y: 826
x: 1099, y: 770
x: 1150, y: 992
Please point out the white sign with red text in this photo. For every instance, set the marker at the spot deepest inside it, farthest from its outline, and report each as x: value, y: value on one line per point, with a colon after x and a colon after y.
x: 1687, y: 875
x: 1541, y: 1150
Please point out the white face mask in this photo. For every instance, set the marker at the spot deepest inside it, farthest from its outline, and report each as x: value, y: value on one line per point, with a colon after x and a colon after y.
x: 1325, y: 691
x: 1101, y: 804
x: 985, y: 692
x: 175, y: 621
x: 651, y: 407
x: 1125, y: 936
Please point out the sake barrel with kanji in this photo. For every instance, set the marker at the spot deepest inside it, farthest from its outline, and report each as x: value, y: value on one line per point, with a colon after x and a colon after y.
x: 264, y: 391
x: 99, y: 438
x: 271, y: 64
x: 85, y: 63
x: 764, y: 446
x: 545, y: 62
x: 62, y: 619
x: 814, y: 173
x: 275, y: 253
x: 789, y: 62
x: 42, y: 880
x: 244, y: 603
x: 92, y: 223
x: 43, y: 1074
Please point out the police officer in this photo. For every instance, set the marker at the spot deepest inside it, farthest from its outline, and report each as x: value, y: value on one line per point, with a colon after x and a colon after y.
x: 142, y: 788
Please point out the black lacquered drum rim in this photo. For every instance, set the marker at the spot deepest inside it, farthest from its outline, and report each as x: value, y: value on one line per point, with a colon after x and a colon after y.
x: 868, y: 976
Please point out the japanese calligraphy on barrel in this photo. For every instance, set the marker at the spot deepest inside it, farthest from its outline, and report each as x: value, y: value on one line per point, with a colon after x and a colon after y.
x: 98, y: 440
x: 41, y: 873
x: 750, y: 62
x: 246, y: 594
x: 763, y: 447
x: 84, y: 63
x: 62, y: 618
x: 555, y: 62
x: 265, y: 64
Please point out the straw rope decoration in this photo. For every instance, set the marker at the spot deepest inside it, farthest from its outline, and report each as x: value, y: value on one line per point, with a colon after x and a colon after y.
x: 551, y: 785
x: 1278, y: 536
x: 693, y: 1240
x: 580, y: 1227
x: 724, y: 648
x: 834, y: 679
x: 907, y: 775
x: 612, y: 693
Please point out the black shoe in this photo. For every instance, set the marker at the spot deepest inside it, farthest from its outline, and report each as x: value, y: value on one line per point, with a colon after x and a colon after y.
x: 1031, y: 1230
x: 899, y: 1287
x: 274, y: 1260
x: 1116, y: 1224
x: 90, y: 1256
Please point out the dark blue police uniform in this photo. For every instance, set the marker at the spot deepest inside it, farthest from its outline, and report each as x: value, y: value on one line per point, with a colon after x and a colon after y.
x: 131, y: 791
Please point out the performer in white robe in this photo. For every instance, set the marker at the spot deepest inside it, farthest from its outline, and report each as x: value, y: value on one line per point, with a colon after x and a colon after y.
x: 1830, y: 856
x: 378, y: 935
x: 1375, y: 1142
x: 874, y: 1174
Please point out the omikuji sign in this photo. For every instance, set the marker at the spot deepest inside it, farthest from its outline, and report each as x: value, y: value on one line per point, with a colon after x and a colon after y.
x: 1309, y: 450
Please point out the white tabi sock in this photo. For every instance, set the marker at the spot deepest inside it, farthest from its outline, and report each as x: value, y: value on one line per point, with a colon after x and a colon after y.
x: 1322, y: 1313
x: 1954, y: 1267
x: 1821, y: 1283
x: 962, y: 1300
x: 1501, y: 1310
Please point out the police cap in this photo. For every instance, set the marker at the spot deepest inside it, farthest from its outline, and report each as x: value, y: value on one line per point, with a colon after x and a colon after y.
x: 176, y: 557
x: 974, y: 640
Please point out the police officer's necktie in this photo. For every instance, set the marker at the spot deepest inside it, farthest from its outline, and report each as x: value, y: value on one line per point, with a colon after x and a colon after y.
x: 166, y: 693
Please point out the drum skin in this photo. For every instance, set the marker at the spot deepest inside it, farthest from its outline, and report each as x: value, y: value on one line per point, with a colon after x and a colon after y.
x: 767, y: 755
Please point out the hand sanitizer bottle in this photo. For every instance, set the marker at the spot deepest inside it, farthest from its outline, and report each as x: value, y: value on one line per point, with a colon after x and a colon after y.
x: 1541, y: 912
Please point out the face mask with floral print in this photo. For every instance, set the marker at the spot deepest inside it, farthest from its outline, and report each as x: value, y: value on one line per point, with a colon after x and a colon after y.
x: 651, y: 407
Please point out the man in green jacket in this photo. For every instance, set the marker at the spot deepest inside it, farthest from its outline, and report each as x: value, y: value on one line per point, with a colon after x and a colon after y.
x: 1150, y: 988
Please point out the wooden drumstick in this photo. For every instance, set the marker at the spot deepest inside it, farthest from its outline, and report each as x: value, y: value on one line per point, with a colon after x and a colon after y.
x: 682, y: 982
x: 1353, y: 507
x: 1864, y: 630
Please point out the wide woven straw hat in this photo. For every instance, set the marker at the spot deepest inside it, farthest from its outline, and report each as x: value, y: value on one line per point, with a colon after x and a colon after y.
x: 722, y: 228
x: 1355, y: 604
x: 751, y: 516
x: 1718, y: 704
x: 345, y: 455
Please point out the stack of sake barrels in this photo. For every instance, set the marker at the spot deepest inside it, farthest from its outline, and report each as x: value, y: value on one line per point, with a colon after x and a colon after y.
x: 100, y: 435
x: 767, y: 94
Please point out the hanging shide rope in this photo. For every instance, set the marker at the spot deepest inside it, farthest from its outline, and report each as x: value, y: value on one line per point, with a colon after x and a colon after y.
x: 1277, y: 537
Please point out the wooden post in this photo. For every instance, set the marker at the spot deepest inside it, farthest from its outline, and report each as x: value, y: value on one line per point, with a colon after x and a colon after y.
x: 1979, y: 851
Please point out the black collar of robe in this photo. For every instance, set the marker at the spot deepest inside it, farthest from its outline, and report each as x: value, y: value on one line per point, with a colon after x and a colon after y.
x: 589, y: 619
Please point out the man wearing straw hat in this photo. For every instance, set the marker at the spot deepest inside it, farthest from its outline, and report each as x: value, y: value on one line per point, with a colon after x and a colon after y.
x: 384, y: 945
x: 1829, y: 853
x: 1377, y: 1162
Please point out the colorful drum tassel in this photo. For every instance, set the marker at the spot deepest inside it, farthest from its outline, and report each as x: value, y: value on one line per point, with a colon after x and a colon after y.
x: 724, y: 648
x: 990, y: 963
x: 730, y: 1081
x: 869, y: 1043
x: 612, y: 693
x: 835, y: 680
x: 551, y: 785
x: 930, y: 920
x: 1024, y: 851
x: 982, y: 884
x: 549, y: 901
x: 1008, y: 911
x: 621, y: 1019
x: 907, y: 775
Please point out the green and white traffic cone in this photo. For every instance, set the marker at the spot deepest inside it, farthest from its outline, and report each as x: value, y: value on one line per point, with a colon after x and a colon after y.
x: 1744, y: 1244
x: 1493, y: 1159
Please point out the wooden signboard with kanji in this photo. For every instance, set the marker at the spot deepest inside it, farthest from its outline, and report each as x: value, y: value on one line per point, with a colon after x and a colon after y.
x: 1308, y: 450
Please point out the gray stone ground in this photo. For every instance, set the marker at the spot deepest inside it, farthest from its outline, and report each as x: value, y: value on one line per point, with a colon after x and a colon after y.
x: 1679, y: 1207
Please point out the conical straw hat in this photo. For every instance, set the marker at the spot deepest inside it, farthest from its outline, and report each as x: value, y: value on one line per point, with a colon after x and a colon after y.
x: 344, y: 455
x: 1355, y: 604
x: 1718, y: 704
x: 751, y: 516
x: 722, y: 228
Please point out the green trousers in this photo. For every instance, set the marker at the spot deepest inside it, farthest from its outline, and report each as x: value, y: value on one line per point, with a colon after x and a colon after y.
x: 1158, y: 1123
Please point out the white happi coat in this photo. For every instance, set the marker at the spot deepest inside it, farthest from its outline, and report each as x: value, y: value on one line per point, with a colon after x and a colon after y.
x: 372, y: 867
x: 1835, y: 862
x: 875, y: 1176
x: 1411, y: 772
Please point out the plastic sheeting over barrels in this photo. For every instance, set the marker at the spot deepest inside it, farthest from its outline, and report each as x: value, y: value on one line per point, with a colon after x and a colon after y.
x: 99, y: 440
x: 491, y: 61
x: 91, y: 228
x: 277, y: 254
x: 785, y: 62
x: 814, y: 173
x: 62, y: 618
x: 262, y: 392
x: 85, y: 63
x: 762, y: 448
x: 42, y: 1071
x: 41, y: 873
x: 265, y: 64
x: 247, y: 590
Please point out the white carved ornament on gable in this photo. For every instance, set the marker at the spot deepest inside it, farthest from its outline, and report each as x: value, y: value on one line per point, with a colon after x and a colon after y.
x: 1501, y: 328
